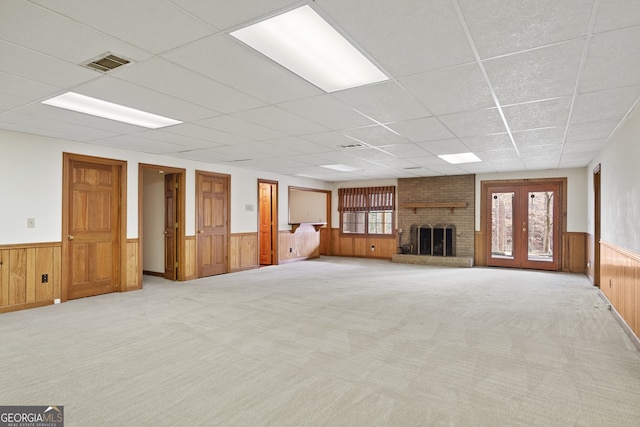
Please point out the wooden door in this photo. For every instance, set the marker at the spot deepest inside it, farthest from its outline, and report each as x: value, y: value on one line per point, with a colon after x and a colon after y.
x: 93, y: 226
x: 212, y: 222
x: 524, y: 226
x: 170, y: 226
x: 268, y: 196
x: 596, y: 225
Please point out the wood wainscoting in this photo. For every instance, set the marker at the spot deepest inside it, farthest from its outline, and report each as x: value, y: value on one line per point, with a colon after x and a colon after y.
x: 620, y: 282
x: 243, y: 251
x: 574, y: 252
x: 21, y: 275
x: 590, y: 257
x: 190, y: 259
x: 361, y: 246
x: 133, y: 275
x: 302, y: 244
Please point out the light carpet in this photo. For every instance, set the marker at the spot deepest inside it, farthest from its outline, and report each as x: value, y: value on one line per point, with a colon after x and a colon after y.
x: 330, y: 342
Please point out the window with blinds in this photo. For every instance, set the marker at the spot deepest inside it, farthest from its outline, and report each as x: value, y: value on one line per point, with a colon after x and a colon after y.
x: 367, y: 210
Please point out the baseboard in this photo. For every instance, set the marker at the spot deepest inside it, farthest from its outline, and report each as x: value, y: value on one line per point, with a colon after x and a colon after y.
x: 152, y: 273
x: 627, y: 329
x: 18, y: 307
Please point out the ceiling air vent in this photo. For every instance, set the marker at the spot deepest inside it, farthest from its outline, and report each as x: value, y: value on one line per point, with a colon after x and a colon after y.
x: 351, y: 146
x: 106, y: 63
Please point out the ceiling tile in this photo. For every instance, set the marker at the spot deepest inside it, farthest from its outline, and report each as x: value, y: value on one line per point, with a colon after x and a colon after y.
x: 187, y: 85
x: 602, y: 105
x: 327, y: 110
x: 204, y: 133
x: 588, y: 146
x: 447, y: 146
x: 20, y: 87
x: 234, y: 64
x: 375, y: 135
x: 149, y: 24
x: 577, y: 160
x: 406, y: 151
x: 134, y: 96
x: 591, y: 130
x: 281, y: 120
x: 240, y: 127
x: 42, y: 68
x: 385, y: 102
x: 474, y: 123
x: 138, y: 143
x: 39, y: 125
x: 496, y: 156
x: 420, y: 130
x: 223, y: 14
x: 451, y: 90
x: 539, y: 114
x: 617, y: 14
x: 435, y: 24
x: 499, y: 27
x: 487, y: 142
x: 544, y: 73
x: 298, y: 145
x: 186, y: 142
x: 613, y: 61
x: 8, y: 102
x: 538, y: 137
x: 32, y: 26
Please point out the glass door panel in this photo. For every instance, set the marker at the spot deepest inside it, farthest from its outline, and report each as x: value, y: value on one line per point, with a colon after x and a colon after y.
x: 540, y: 225
x: 502, y: 225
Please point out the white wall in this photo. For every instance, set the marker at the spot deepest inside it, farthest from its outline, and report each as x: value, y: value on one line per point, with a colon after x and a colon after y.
x: 620, y: 186
x: 31, y: 168
x: 576, y: 192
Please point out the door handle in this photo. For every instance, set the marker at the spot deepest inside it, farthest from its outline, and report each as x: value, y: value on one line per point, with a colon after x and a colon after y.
x: 164, y: 232
x: 200, y: 231
x: 524, y: 229
x: 70, y: 237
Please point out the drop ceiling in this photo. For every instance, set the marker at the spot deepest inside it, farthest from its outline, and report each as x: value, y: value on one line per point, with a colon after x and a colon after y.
x: 525, y: 85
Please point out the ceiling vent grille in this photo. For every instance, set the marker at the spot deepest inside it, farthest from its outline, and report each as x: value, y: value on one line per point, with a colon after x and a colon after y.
x: 351, y: 146
x: 106, y: 63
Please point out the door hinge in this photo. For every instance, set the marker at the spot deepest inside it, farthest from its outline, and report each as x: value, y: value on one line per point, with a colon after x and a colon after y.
x: 176, y: 184
x: 176, y: 264
x: 176, y: 225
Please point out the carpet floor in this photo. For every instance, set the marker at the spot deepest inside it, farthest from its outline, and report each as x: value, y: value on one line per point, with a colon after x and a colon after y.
x: 330, y: 342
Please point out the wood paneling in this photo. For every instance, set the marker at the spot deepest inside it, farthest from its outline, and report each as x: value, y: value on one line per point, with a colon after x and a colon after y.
x: 21, y: 271
x: 361, y: 246
x: 133, y: 275
x: 190, y: 259
x: 303, y: 244
x: 243, y: 251
x: 574, y: 252
x: 480, y: 252
x: 620, y: 282
x: 590, y: 258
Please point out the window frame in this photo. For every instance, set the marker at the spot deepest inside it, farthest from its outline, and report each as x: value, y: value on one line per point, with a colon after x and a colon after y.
x: 366, y: 201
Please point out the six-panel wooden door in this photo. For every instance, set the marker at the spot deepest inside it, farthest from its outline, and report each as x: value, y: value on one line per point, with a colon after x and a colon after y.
x: 212, y: 223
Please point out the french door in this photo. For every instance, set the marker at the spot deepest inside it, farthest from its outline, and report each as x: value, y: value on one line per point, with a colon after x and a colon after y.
x: 524, y: 223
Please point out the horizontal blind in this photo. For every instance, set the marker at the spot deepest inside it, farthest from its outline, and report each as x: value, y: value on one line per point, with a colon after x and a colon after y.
x: 366, y: 199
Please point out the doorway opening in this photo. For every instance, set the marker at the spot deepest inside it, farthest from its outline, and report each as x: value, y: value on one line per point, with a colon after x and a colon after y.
x: 161, y: 221
x: 596, y: 225
x: 523, y: 222
x: 268, y: 222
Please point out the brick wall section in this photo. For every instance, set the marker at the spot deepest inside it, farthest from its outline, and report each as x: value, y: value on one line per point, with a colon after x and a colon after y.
x: 440, y: 189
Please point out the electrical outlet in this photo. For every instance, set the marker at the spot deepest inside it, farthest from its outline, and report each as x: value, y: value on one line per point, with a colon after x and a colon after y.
x: 373, y: 248
x: 45, y: 278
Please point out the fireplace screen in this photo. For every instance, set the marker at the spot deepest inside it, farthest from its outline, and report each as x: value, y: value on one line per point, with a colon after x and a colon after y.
x: 438, y: 240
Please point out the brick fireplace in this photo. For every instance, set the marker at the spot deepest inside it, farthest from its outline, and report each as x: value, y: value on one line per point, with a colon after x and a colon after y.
x: 437, y: 218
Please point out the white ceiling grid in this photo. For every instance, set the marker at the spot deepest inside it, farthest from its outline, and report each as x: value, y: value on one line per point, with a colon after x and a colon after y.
x: 563, y: 73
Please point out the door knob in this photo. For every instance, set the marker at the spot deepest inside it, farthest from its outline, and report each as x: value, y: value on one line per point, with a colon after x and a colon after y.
x: 70, y: 237
x: 164, y: 232
x: 200, y: 231
x: 524, y: 229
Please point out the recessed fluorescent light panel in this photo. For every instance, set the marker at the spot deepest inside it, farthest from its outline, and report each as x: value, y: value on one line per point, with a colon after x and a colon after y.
x: 340, y: 168
x: 108, y: 110
x: 307, y: 45
x: 455, y: 159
